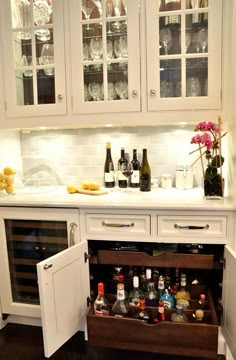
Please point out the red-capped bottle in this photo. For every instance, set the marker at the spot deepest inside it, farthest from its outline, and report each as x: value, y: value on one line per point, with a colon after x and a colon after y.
x: 101, y: 306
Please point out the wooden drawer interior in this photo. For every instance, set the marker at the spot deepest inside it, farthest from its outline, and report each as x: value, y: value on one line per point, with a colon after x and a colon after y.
x: 198, y: 339
x: 193, y: 261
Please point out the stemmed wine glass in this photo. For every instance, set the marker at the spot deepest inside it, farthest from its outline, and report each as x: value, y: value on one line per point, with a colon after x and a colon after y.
x: 47, y: 57
x: 124, y: 2
x: 117, y: 9
x: 203, y: 39
x: 87, y: 8
x: 165, y: 39
x: 96, y: 48
x: 42, y: 14
x: 95, y: 90
x: 98, y: 3
x: 193, y: 86
x: 109, y: 12
x: 122, y: 89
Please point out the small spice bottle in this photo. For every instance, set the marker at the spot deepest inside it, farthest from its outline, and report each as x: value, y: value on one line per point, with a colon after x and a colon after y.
x: 166, y: 181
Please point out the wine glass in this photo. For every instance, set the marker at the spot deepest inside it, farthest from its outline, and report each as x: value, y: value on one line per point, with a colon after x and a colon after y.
x: 117, y: 49
x: 87, y: 8
x: 23, y: 19
x: 203, y: 39
x: 111, y: 91
x: 123, y: 47
x: 110, y: 52
x: 95, y: 91
x: 165, y: 39
x: 188, y: 40
x: 86, y: 51
x: 193, y: 86
x: 47, y: 57
x: 109, y: 12
x: 96, y: 48
x: 122, y: 89
x: 117, y: 4
x: 27, y: 61
x: 42, y: 13
x: 98, y: 3
x: 124, y: 2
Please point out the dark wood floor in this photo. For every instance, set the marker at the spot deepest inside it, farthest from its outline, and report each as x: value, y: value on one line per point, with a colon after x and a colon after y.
x: 22, y: 342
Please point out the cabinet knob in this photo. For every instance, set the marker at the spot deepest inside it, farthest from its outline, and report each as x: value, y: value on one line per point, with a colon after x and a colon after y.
x: 153, y: 92
x: 135, y: 93
x: 59, y: 97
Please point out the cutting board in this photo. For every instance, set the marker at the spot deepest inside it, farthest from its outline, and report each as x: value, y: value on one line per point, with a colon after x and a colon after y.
x: 91, y: 192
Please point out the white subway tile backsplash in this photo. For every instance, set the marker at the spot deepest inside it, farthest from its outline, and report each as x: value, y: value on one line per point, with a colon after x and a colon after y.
x: 79, y: 154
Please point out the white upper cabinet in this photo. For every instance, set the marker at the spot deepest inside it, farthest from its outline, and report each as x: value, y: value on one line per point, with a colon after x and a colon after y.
x: 33, y: 53
x: 183, y: 54
x: 105, y: 55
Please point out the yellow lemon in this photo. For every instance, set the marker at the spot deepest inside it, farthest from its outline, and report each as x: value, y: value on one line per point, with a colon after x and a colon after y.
x: 9, y: 171
x: 2, y: 176
x: 71, y: 189
x: 3, y: 185
x: 94, y: 185
x: 9, y: 189
x: 9, y: 180
x: 85, y: 185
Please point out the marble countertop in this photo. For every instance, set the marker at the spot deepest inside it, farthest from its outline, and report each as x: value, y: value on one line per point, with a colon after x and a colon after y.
x: 158, y: 198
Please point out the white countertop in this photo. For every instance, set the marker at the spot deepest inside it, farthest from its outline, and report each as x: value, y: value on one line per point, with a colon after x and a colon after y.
x: 117, y: 198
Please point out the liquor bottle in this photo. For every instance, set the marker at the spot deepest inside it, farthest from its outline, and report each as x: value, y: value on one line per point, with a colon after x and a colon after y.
x: 161, y: 285
x: 145, y: 173
x: 120, y: 307
x: 161, y: 313
x: 168, y: 298
x: 151, y: 296
x: 145, y: 281
x: 134, y: 168
x: 122, y: 168
x: 109, y: 174
x: 202, y: 301
x: 183, y: 295
x: 135, y: 294
x: 101, y: 306
x: 179, y: 315
x: 144, y: 314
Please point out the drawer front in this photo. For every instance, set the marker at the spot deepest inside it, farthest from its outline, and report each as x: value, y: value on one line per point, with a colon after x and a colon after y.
x: 192, y: 226
x: 118, y: 225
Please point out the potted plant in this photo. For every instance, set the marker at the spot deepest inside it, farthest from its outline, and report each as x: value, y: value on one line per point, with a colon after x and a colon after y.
x: 209, y: 147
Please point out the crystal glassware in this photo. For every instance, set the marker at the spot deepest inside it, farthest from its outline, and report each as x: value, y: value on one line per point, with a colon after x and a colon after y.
x: 27, y: 61
x: 117, y: 49
x: 123, y: 47
x: 193, y: 86
x: 117, y: 4
x: 124, y: 2
x: 98, y: 3
x: 165, y: 39
x: 111, y: 91
x: 110, y: 52
x: 203, y: 39
x: 87, y: 7
x: 86, y: 51
x: 23, y: 19
x: 96, y: 48
x: 42, y: 13
x: 95, y: 91
x: 47, y: 58
x: 122, y: 89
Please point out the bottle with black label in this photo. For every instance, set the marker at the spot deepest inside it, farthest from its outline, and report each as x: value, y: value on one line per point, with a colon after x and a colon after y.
x: 122, y: 170
x: 109, y: 174
x: 134, y: 169
x: 145, y: 173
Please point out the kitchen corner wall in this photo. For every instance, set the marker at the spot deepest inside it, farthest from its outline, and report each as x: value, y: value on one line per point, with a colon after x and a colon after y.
x: 71, y: 156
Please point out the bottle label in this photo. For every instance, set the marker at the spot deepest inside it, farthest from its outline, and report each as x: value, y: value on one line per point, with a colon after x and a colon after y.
x: 135, y: 177
x: 109, y: 176
x: 134, y: 302
x: 183, y: 302
x: 161, y: 285
x: 167, y: 305
x: 120, y: 295
x: 121, y: 176
x: 145, y: 183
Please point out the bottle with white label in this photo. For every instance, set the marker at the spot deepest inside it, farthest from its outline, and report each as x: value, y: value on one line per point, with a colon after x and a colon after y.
x: 122, y: 170
x: 109, y: 174
x: 134, y: 169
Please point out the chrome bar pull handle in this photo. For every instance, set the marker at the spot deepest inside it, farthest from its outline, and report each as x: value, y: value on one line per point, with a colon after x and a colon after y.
x: 73, y: 227
x: 191, y: 227
x: 117, y: 225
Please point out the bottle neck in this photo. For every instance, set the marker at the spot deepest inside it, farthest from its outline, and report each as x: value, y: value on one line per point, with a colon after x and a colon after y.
x: 135, y: 155
x: 122, y: 153
x: 144, y: 155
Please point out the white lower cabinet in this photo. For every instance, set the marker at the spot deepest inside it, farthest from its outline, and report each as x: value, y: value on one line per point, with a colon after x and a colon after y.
x: 64, y: 284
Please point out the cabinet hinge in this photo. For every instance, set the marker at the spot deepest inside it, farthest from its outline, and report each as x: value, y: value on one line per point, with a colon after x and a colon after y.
x: 89, y: 301
x: 86, y: 257
x: 5, y: 316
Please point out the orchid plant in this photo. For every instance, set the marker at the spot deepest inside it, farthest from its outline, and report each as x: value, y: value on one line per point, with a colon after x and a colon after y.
x: 209, y: 146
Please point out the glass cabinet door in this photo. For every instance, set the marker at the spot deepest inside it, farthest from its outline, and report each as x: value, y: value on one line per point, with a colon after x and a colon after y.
x: 184, y: 54
x: 105, y: 55
x: 33, y: 57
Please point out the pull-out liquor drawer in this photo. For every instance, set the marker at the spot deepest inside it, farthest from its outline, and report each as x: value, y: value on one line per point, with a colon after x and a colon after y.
x: 167, y: 337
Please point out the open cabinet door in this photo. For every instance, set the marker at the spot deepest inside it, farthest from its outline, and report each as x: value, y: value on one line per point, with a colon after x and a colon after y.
x: 63, y: 281
x: 229, y: 300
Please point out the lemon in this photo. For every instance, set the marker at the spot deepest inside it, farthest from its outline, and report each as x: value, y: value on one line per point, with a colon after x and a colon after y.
x: 3, y: 185
x: 9, y: 180
x: 9, y: 171
x: 85, y: 185
x: 2, y: 176
x: 9, y: 189
x: 71, y: 189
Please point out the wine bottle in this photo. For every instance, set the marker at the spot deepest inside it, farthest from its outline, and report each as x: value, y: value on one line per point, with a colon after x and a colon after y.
x: 145, y: 173
x: 109, y: 174
x: 120, y: 307
x: 134, y: 168
x: 122, y: 168
x: 101, y: 306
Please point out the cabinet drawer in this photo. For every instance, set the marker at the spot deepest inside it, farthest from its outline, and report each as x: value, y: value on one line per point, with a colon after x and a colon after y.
x: 186, y: 339
x: 118, y: 225
x: 192, y: 226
